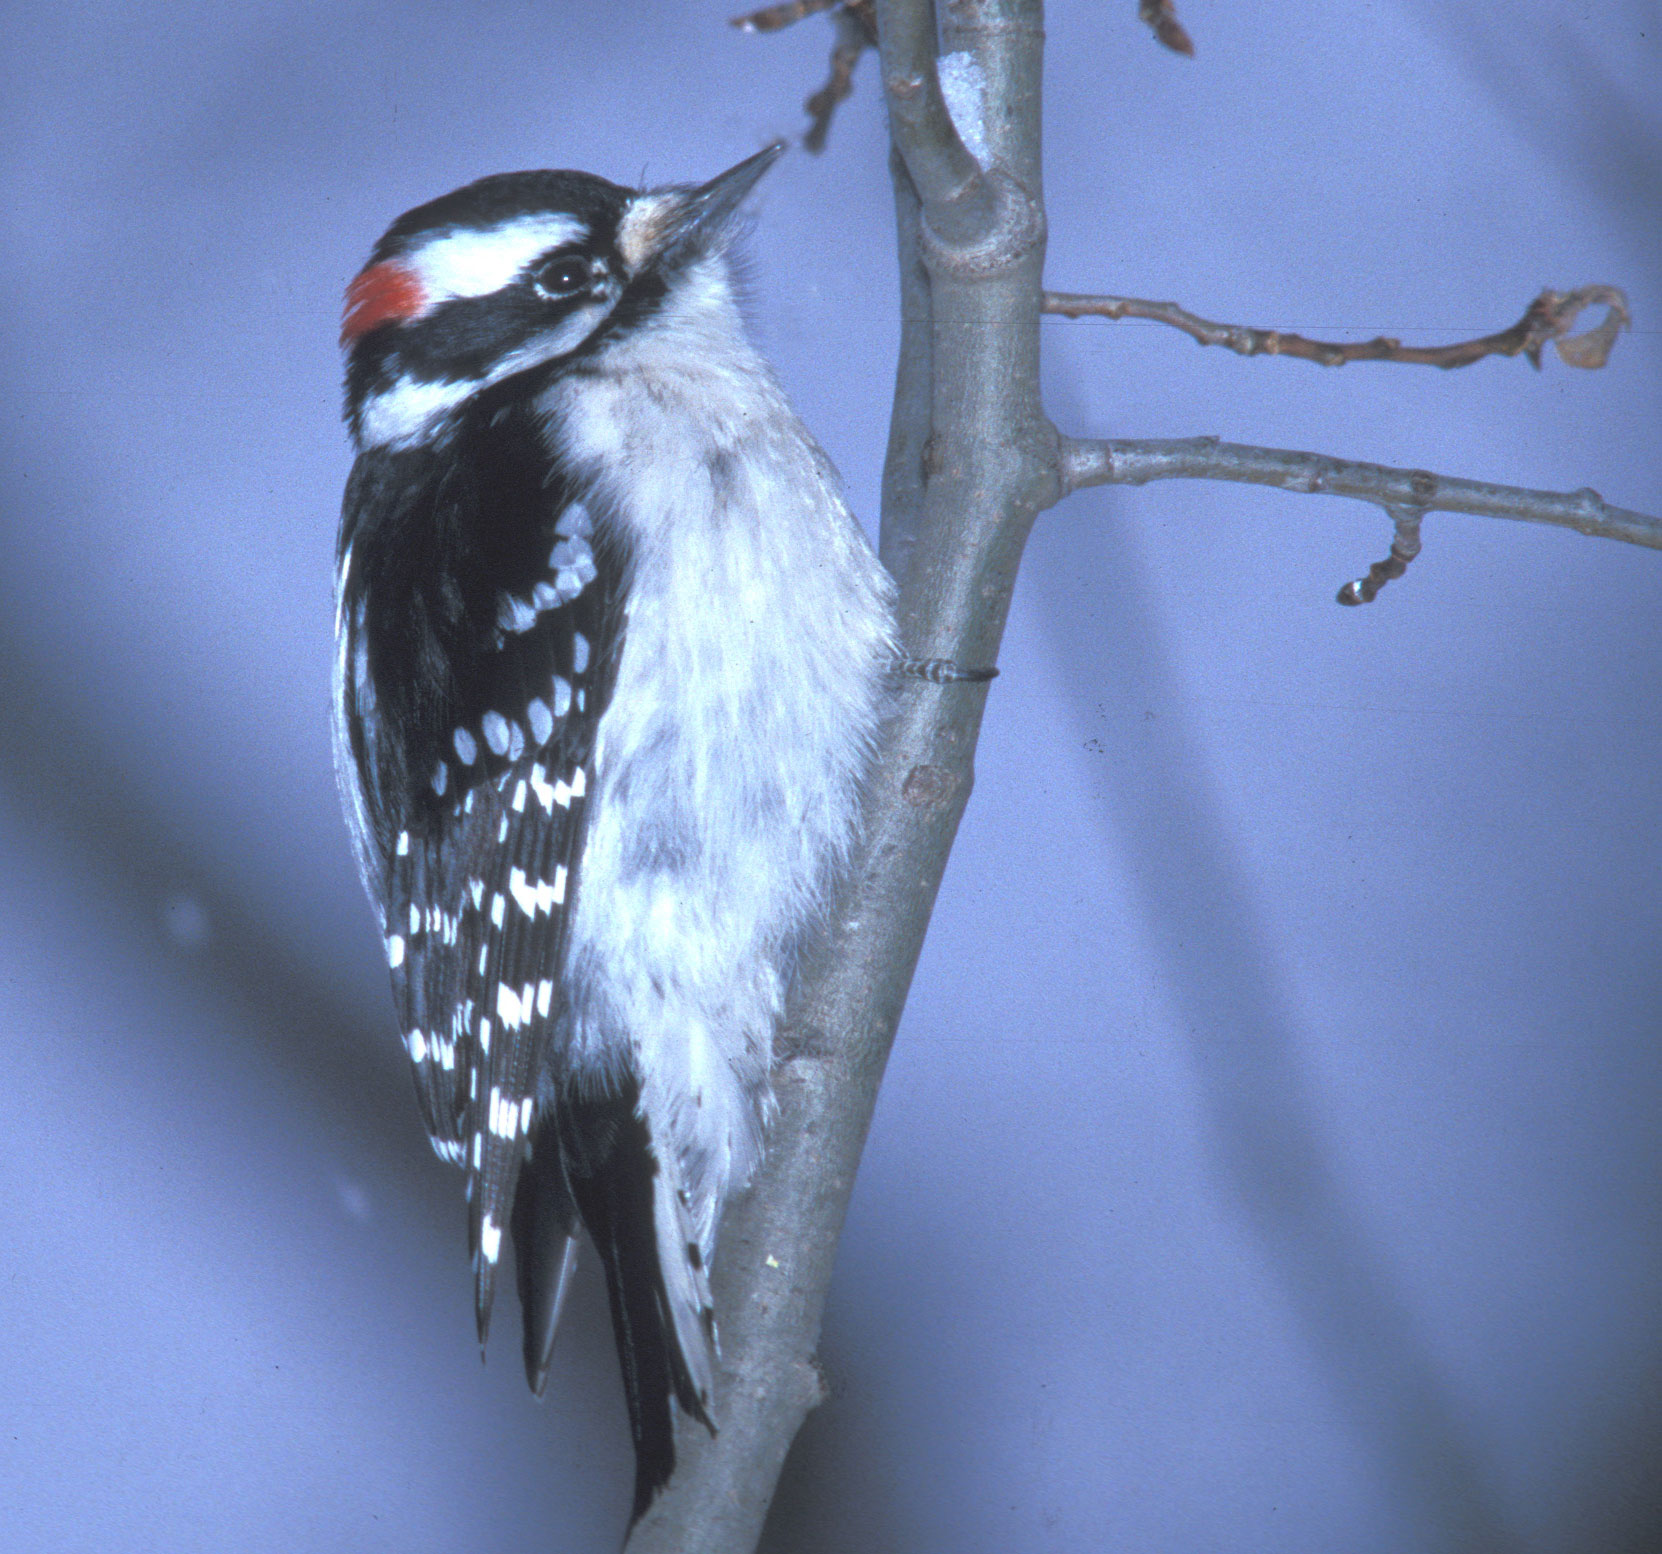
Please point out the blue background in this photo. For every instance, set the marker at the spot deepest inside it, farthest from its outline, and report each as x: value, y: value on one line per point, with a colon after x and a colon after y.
x: 1269, y: 1157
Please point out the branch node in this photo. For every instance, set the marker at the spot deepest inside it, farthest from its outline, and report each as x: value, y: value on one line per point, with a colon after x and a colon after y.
x: 1404, y: 547
x: 1017, y: 226
x: 926, y: 786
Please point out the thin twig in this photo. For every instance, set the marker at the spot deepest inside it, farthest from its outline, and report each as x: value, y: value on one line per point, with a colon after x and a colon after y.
x: 772, y: 18
x: 1405, y: 545
x: 1548, y: 317
x: 1161, y: 15
x: 1102, y: 462
x: 856, y: 31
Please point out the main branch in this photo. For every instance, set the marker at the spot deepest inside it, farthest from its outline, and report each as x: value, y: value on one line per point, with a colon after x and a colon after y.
x: 972, y: 462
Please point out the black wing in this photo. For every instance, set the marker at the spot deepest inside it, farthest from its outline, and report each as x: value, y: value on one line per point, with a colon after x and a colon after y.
x: 479, y: 635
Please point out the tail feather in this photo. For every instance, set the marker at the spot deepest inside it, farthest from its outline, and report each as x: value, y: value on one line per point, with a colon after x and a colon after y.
x: 544, y: 1228
x: 661, y: 1314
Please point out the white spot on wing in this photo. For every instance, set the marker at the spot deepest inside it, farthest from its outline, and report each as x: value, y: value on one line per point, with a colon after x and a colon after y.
x: 540, y: 786
x: 515, y: 614
x: 541, y: 721
x: 575, y: 523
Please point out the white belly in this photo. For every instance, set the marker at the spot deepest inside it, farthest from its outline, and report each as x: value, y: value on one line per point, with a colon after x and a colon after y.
x: 728, y: 763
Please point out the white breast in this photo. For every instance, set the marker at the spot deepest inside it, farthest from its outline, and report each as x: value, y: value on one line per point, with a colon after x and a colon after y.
x: 758, y: 633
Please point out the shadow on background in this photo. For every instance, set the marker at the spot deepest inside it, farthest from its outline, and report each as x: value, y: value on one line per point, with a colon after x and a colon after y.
x: 73, y: 785
x: 1203, y: 921
x: 1547, y: 81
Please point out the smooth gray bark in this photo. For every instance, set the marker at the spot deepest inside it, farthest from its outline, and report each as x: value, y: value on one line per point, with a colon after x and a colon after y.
x: 962, y: 509
x: 1130, y: 462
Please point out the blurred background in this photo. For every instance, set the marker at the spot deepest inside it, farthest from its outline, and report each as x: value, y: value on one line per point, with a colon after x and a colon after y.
x: 1269, y: 1157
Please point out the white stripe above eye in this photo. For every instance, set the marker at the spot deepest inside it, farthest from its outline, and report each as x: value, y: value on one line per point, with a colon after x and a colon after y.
x: 475, y: 263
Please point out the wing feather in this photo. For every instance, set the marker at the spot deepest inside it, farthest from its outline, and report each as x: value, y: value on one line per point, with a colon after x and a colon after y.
x: 479, y: 636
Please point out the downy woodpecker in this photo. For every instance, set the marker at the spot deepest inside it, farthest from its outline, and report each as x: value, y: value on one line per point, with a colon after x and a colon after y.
x: 611, y: 656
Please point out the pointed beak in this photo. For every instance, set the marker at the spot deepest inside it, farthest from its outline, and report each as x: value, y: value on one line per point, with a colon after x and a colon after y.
x: 711, y: 206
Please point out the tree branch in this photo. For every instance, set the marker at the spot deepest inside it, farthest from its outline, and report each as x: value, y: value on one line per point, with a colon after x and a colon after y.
x: 856, y: 31
x: 773, y: 18
x: 957, y: 199
x: 1405, y: 545
x: 1161, y: 17
x: 1548, y: 317
x: 1101, y: 462
x: 904, y: 465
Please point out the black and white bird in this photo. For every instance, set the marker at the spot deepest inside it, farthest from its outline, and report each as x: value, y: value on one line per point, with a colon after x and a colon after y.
x: 612, y: 653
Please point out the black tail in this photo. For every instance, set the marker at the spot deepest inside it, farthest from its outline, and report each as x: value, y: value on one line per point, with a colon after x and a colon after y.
x: 544, y: 1227
x: 615, y: 1178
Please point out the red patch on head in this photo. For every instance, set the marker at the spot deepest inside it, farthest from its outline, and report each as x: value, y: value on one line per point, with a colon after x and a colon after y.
x: 382, y: 294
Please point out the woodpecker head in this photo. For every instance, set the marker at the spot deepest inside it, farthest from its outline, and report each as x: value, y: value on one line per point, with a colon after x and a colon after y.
x: 512, y: 275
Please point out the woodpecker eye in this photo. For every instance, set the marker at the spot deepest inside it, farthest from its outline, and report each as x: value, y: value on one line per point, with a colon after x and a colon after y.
x: 560, y: 275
